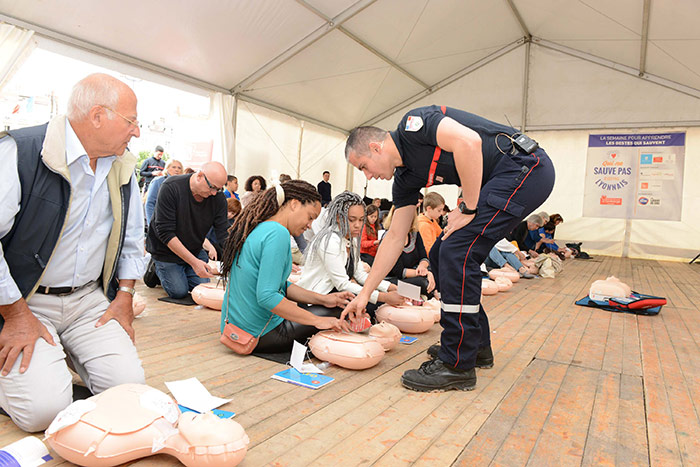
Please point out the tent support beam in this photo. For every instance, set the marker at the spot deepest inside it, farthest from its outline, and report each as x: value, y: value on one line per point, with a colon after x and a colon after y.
x: 520, y: 19
x: 645, y: 38
x: 112, y: 54
x: 314, y: 36
x: 526, y: 86
x: 291, y: 113
x: 687, y: 90
x: 362, y: 43
x: 614, y: 126
x: 447, y: 81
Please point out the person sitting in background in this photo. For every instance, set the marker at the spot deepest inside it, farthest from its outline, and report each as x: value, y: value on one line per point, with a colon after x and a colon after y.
x: 213, y: 247
x: 333, y: 258
x: 412, y: 264
x: 300, y: 242
x: 370, y: 235
x: 172, y: 167
x: 254, y: 185
x: 256, y: 263
x: 520, y: 234
x: 231, y: 187
x: 503, y: 254
x: 428, y: 226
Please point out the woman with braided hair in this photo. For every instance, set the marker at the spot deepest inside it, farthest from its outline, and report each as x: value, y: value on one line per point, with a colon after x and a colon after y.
x: 333, y: 257
x: 256, y: 264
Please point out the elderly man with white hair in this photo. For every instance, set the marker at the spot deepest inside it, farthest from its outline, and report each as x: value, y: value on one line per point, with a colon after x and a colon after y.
x: 71, y: 227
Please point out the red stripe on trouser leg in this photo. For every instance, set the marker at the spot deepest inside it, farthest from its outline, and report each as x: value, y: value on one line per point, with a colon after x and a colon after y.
x: 464, y: 266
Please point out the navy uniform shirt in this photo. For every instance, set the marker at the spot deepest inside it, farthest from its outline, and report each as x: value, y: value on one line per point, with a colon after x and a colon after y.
x: 416, y: 140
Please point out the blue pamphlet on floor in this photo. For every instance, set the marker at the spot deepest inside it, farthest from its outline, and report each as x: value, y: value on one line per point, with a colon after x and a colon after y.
x: 218, y: 412
x: 308, y: 380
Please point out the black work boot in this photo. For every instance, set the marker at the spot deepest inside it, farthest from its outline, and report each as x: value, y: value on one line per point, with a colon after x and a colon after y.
x: 435, y: 376
x: 484, y: 357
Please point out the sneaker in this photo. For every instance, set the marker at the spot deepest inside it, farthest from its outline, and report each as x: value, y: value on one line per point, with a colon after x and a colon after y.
x: 435, y: 376
x: 527, y: 275
x: 484, y: 358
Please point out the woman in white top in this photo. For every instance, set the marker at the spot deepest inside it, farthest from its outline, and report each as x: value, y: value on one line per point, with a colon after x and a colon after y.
x: 333, y: 257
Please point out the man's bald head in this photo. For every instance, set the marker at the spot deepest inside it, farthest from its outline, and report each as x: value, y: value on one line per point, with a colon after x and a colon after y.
x: 216, y: 173
x: 96, y: 89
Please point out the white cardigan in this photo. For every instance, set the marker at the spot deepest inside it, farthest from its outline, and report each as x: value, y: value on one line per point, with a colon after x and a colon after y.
x: 326, y: 270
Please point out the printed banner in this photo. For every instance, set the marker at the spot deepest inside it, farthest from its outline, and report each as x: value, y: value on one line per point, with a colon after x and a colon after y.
x: 635, y: 176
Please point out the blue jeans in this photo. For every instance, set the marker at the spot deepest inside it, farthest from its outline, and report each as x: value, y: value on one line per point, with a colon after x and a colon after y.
x: 498, y: 259
x: 179, y: 279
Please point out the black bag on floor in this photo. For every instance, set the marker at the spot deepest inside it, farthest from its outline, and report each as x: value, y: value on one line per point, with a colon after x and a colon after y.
x: 150, y: 278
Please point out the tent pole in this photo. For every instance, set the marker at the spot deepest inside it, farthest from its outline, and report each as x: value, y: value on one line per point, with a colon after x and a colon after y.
x: 301, y: 139
x: 645, y: 38
x: 231, y: 163
x: 526, y: 85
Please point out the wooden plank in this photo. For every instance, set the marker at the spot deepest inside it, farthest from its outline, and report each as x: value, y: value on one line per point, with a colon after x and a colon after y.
x: 518, y: 445
x: 564, y: 433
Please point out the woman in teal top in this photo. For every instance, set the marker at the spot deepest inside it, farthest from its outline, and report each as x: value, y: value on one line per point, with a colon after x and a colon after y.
x: 257, y: 262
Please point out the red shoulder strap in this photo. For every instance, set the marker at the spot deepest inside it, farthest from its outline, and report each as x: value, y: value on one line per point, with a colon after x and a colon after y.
x: 436, y: 157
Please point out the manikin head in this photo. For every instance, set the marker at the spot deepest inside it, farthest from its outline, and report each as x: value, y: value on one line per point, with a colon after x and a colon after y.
x: 102, y: 112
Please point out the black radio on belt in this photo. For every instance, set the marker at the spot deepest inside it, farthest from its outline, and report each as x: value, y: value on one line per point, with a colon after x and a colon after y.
x: 525, y: 144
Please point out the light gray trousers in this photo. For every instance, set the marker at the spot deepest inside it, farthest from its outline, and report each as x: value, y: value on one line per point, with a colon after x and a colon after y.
x: 103, y: 357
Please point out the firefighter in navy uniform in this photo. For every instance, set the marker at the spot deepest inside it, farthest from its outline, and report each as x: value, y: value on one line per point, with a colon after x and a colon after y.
x: 504, y: 176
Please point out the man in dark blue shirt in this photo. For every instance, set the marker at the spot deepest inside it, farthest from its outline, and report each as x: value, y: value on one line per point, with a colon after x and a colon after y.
x: 324, y: 188
x: 501, y: 183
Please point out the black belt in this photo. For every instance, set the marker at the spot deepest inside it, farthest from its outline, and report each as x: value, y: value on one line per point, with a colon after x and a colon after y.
x: 42, y: 289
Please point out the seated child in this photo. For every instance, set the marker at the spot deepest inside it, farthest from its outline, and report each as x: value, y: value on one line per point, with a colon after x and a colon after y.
x: 412, y: 264
x: 428, y: 226
x: 370, y: 235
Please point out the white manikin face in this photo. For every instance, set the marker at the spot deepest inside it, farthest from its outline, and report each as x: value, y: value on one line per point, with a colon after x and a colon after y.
x: 208, y: 430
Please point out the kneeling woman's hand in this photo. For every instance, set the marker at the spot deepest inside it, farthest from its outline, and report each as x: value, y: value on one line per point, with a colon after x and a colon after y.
x: 337, y: 299
x: 328, y: 322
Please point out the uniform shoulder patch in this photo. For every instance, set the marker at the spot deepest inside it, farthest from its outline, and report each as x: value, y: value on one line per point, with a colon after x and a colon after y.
x: 414, y: 123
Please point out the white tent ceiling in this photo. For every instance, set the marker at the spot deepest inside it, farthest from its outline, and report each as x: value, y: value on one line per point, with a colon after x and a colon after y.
x: 546, y: 63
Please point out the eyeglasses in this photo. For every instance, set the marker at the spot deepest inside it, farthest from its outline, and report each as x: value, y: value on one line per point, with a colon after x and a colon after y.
x: 132, y: 122
x: 211, y: 187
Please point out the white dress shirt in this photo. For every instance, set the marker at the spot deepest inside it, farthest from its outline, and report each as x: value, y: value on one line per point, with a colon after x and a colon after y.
x: 325, y: 270
x: 81, y: 249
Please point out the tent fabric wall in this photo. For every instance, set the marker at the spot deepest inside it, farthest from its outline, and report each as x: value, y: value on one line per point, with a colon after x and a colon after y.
x: 267, y: 144
x: 15, y: 45
x: 223, y: 108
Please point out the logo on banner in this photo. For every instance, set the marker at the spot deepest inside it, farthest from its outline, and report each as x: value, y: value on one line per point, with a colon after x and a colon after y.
x: 646, y: 159
x: 605, y: 201
x: 612, y: 172
x: 643, y: 200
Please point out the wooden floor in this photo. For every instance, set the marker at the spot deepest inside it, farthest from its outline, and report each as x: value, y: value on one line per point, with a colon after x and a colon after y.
x: 570, y: 386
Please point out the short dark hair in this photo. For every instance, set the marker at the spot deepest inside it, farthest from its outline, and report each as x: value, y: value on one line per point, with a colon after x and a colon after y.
x: 159, y: 148
x: 231, y: 178
x: 359, y: 139
x: 326, y: 172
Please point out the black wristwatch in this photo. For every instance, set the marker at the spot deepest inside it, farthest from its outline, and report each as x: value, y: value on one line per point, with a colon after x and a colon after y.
x: 465, y: 210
